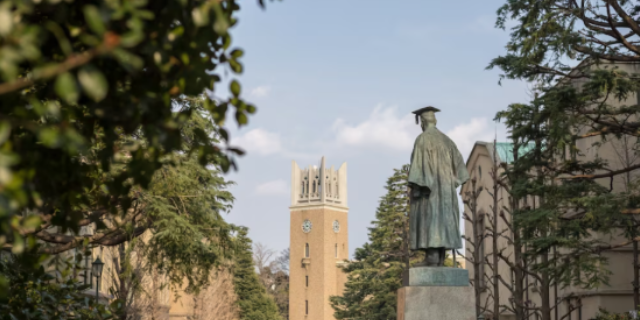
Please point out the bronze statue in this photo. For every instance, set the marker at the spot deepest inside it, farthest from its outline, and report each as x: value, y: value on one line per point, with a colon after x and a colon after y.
x: 436, y: 170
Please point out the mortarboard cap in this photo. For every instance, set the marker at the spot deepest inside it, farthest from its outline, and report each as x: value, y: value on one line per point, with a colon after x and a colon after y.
x: 423, y: 110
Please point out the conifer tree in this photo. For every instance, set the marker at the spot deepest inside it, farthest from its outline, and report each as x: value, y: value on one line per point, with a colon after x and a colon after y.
x: 253, y: 300
x: 376, y: 274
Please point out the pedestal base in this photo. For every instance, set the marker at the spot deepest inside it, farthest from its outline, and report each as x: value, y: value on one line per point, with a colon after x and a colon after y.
x: 436, y: 303
x: 435, y: 293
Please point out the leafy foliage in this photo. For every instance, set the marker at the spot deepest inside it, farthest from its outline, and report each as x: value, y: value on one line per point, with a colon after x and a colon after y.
x: 605, y: 315
x: 34, y: 293
x: 180, y: 210
x: 76, y: 81
x: 254, y: 302
x: 581, y: 55
x: 183, y: 206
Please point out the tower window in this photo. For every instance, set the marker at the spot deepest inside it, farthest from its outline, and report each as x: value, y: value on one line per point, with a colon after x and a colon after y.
x: 306, y: 280
x: 336, y: 250
x: 306, y: 250
x: 306, y: 307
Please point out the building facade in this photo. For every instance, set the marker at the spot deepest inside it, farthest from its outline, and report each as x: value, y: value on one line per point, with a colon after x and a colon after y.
x: 319, y: 240
x: 573, y: 303
x: 157, y: 300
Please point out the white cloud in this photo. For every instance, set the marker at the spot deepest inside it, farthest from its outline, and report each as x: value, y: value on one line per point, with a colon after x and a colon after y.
x: 259, y: 141
x: 260, y: 91
x: 465, y: 135
x: 383, y: 129
x: 275, y: 187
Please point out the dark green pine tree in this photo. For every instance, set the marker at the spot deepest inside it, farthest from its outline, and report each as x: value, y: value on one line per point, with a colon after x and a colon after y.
x: 376, y: 274
x: 254, y: 302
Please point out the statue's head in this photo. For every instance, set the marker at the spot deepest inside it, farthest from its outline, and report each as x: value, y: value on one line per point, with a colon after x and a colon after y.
x: 427, y: 117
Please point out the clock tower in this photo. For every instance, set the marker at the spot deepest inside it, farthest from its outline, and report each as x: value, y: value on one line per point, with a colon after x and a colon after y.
x: 319, y: 240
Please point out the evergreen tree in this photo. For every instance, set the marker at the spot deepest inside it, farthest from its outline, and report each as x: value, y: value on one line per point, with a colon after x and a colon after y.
x: 579, y: 53
x: 180, y: 210
x: 254, y: 302
x: 376, y: 274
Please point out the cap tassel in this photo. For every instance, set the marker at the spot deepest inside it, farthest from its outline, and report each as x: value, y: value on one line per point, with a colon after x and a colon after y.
x: 417, y: 119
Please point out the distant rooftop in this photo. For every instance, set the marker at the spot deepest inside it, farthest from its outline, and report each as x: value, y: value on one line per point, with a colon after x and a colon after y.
x: 505, y: 150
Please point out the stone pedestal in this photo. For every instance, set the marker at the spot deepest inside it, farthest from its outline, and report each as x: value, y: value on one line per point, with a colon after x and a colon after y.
x: 432, y: 293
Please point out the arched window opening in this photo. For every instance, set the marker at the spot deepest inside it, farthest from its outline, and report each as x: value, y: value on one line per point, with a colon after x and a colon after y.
x: 306, y: 250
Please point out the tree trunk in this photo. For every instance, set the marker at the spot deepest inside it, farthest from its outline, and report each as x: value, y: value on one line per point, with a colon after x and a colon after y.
x: 520, y: 265
x: 477, y: 237
x: 636, y: 277
x: 545, y: 290
x: 555, y: 285
x: 123, y: 287
x: 518, y: 294
x: 154, y: 300
x: 496, y: 281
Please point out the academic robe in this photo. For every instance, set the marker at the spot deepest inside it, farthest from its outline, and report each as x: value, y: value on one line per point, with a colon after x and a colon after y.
x: 436, y: 170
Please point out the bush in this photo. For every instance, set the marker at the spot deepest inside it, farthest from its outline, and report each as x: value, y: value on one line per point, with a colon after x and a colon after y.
x: 605, y: 315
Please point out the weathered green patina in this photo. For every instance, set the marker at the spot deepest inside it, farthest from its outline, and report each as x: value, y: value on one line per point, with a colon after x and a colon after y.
x: 437, y: 168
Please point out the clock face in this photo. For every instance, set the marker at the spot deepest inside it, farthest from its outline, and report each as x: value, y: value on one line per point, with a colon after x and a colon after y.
x: 336, y: 226
x: 306, y: 226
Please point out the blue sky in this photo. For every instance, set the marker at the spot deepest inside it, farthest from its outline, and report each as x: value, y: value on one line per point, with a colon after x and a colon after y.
x: 340, y: 78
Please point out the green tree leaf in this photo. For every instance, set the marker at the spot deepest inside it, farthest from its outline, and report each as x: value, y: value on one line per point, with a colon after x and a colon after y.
x: 235, y: 88
x: 66, y: 88
x: 93, y: 83
x: 93, y: 19
x: 31, y: 221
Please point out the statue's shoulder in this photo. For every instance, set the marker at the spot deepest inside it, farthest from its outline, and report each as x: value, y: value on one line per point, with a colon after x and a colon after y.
x: 421, y: 136
x: 445, y: 137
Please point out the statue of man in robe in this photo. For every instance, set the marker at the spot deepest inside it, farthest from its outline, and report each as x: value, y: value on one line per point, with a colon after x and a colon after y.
x: 437, y: 168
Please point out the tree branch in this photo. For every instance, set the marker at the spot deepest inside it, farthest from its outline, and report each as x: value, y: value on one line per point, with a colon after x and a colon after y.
x: 111, y: 40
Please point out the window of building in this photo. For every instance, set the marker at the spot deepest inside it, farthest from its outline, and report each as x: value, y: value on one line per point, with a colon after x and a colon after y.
x: 336, y: 250
x: 306, y: 307
x: 306, y: 280
x: 306, y: 250
x: 480, y: 172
